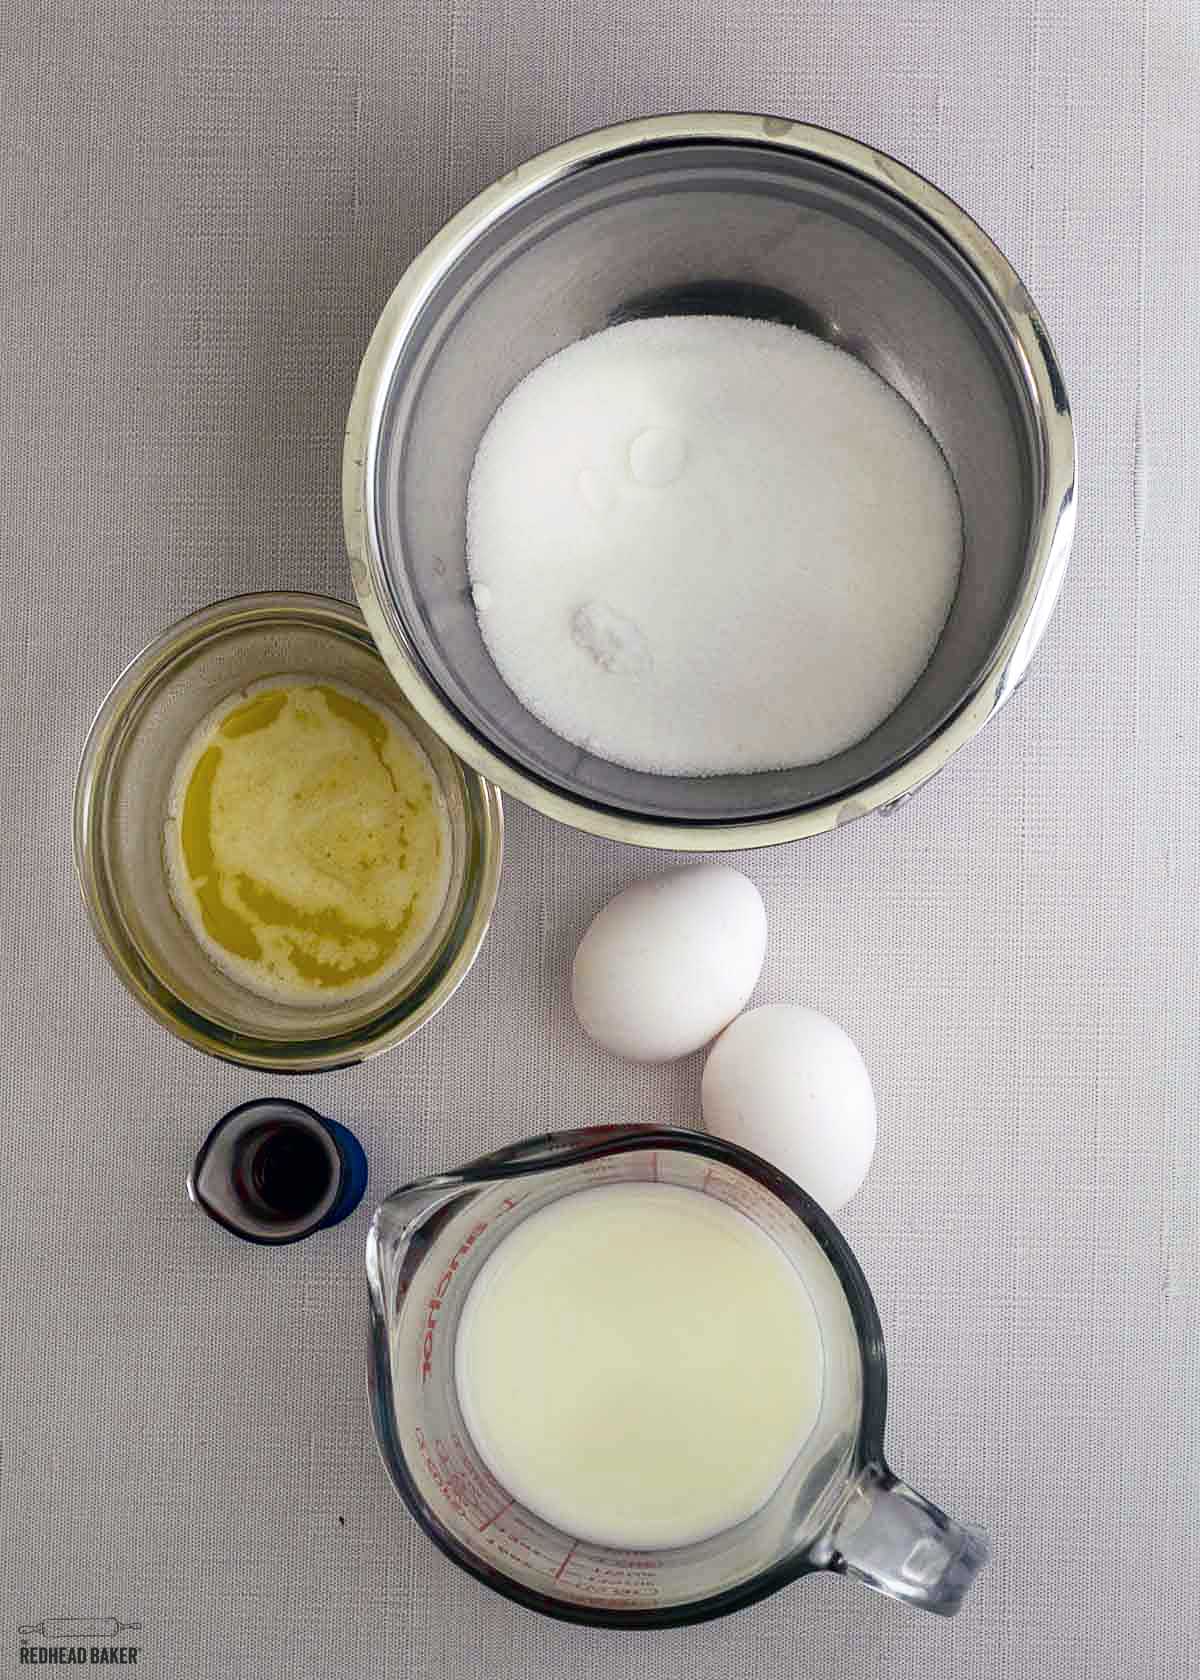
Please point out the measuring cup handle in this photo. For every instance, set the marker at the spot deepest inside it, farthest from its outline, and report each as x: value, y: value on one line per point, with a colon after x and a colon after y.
x: 891, y: 1539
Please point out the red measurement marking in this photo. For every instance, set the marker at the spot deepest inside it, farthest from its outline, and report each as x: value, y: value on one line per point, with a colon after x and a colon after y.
x: 480, y: 1472
x: 437, y: 1300
x: 566, y: 1560
x: 598, y: 1603
x: 492, y: 1519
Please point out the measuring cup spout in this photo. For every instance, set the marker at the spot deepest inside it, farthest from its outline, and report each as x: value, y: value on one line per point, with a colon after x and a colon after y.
x: 397, y: 1222
x: 892, y: 1540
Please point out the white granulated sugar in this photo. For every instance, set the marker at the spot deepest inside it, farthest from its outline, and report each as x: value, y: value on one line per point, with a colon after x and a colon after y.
x: 701, y: 544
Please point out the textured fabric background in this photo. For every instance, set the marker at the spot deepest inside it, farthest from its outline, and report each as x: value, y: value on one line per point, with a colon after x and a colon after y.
x: 204, y: 207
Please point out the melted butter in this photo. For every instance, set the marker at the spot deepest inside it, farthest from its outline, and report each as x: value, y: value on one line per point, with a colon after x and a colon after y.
x: 307, y: 842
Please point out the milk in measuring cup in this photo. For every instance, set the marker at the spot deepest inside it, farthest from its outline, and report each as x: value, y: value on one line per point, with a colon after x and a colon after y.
x: 639, y: 1364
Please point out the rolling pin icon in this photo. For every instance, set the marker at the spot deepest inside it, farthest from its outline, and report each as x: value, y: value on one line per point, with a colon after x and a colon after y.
x: 79, y: 1627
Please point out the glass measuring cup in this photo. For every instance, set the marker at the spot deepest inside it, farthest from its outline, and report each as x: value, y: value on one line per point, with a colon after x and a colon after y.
x: 838, y: 1508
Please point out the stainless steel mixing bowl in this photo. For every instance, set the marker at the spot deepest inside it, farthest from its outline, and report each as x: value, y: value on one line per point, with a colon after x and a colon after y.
x: 737, y: 215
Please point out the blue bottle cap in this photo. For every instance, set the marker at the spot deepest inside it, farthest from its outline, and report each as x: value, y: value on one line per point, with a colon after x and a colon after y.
x: 274, y: 1171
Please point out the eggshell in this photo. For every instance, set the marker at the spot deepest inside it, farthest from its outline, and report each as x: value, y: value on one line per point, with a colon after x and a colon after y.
x: 670, y: 961
x: 787, y: 1083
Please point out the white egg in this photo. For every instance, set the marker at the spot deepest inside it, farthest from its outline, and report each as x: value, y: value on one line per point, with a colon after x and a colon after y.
x: 670, y: 961
x: 787, y: 1083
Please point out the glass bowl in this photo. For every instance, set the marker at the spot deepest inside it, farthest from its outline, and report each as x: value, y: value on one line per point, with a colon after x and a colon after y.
x: 727, y: 215
x: 121, y: 799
